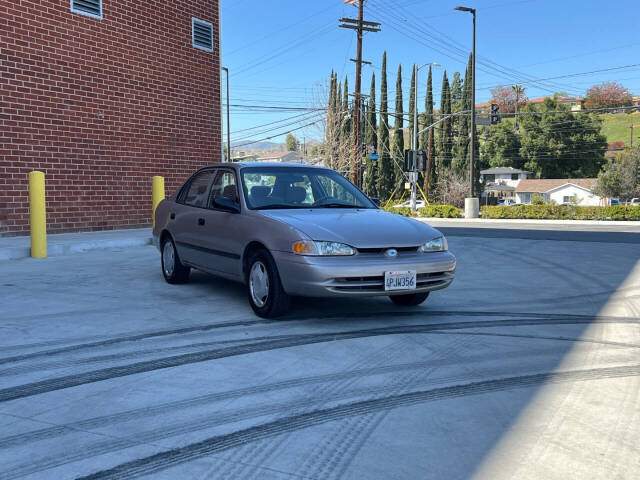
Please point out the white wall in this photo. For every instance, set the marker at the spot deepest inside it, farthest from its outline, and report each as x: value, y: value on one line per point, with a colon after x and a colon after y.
x: 585, y: 198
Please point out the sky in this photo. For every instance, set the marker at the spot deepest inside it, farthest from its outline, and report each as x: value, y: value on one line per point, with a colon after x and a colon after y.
x: 280, y: 54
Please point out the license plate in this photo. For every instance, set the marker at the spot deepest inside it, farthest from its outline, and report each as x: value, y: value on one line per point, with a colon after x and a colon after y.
x: 405, y: 280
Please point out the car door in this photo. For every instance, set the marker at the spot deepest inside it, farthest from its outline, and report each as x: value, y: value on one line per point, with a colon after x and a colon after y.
x: 223, y: 231
x: 189, y: 218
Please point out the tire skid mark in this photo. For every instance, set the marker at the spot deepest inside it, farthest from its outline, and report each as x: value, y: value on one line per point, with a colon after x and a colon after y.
x: 130, y: 338
x: 346, y: 376
x: 169, y: 458
x: 328, y: 452
x: 107, y: 358
x: 206, y: 327
x: 259, y: 451
x: 199, y: 423
x: 50, y: 385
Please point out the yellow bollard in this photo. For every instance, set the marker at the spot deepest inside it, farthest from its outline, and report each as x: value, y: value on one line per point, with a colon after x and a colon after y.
x: 38, y: 215
x: 157, y: 192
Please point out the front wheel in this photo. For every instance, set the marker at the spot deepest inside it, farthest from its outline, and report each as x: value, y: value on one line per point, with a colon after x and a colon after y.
x: 266, y: 295
x: 409, y: 300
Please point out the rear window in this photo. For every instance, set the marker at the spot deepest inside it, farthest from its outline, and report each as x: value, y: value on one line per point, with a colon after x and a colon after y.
x: 198, y: 189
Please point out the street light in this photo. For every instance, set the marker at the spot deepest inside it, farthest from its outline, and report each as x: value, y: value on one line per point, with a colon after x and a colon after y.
x: 228, y: 119
x: 473, y: 106
x: 414, y: 140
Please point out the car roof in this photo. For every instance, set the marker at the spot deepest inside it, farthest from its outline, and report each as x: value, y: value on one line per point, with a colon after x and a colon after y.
x: 239, y: 165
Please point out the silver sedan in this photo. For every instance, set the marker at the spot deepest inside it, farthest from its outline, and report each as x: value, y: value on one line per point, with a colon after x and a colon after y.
x: 286, y: 230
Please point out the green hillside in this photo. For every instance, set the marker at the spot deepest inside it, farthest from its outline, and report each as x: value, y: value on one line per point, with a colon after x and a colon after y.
x: 616, y: 126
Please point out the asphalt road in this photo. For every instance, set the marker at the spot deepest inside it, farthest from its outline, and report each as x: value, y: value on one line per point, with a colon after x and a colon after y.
x: 528, y: 366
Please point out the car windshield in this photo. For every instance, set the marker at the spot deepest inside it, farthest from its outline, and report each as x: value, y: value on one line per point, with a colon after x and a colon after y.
x: 268, y: 188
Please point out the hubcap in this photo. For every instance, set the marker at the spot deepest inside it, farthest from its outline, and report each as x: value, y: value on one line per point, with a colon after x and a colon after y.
x: 259, y: 284
x: 168, y: 258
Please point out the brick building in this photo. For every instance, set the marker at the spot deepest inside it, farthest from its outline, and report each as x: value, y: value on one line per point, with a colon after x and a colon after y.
x: 101, y: 95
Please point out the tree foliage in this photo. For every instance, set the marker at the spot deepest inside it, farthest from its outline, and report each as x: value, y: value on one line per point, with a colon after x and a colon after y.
x: 293, y: 144
x: 501, y: 147
x: 397, y: 148
x: 385, y: 177
x: 619, y: 177
x: 608, y: 94
x: 506, y: 98
x: 561, y: 145
x: 445, y: 132
x: 371, y: 139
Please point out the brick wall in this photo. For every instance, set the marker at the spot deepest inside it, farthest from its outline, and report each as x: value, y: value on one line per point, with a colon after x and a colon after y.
x: 101, y: 106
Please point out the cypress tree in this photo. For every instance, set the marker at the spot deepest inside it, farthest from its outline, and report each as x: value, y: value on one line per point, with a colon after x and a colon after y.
x: 385, y: 172
x: 371, y: 138
x: 445, y: 130
x: 461, y: 154
x: 397, y: 149
x: 348, y: 122
x: 428, y: 142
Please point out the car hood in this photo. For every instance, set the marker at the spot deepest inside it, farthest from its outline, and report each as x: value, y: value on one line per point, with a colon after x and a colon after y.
x: 366, y: 228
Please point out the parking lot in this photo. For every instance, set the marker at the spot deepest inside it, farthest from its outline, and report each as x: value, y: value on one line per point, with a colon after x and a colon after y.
x: 527, y: 367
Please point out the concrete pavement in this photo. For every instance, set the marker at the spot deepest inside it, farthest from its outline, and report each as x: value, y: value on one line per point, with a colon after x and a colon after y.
x: 526, y: 367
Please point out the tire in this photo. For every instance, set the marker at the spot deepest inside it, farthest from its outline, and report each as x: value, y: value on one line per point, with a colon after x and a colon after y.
x: 264, y: 288
x: 409, y: 300
x: 173, y: 270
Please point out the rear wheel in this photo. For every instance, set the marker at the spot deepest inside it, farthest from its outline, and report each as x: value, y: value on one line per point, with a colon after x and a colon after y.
x: 409, y: 300
x: 173, y: 270
x: 266, y: 295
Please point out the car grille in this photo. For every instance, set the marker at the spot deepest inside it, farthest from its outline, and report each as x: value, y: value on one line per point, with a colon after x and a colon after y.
x: 376, y: 284
x: 384, y: 249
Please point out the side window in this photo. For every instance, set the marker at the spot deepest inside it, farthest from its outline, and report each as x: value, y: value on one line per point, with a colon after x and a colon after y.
x: 224, y: 186
x: 196, y: 195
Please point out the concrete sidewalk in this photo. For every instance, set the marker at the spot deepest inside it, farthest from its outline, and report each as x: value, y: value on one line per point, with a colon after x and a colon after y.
x: 13, y: 248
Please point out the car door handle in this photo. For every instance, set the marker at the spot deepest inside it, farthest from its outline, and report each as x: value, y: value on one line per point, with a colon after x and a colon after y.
x: 201, y: 221
x: 172, y: 216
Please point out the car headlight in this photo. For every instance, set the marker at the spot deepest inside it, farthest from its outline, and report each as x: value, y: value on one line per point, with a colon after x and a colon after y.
x: 309, y: 247
x: 438, y: 244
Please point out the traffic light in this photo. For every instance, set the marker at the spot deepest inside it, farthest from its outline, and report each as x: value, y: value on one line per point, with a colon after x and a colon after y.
x: 421, y: 160
x: 409, y: 160
x: 495, y: 113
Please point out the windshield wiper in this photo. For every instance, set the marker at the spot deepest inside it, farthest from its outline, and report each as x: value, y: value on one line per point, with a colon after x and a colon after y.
x: 277, y: 206
x: 337, y: 205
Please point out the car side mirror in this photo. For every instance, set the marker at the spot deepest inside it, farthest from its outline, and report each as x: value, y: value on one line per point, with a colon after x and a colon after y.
x: 376, y: 201
x: 226, y: 204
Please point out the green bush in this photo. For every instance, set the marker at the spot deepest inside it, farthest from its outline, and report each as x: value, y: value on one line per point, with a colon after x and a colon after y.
x: 404, y: 211
x: 439, y: 211
x: 562, y: 212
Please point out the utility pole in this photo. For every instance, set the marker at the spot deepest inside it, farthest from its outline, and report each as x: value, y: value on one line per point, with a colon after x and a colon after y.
x: 360, y: 26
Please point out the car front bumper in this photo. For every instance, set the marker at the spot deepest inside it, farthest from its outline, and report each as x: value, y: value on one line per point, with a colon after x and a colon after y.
x: 361, y: 275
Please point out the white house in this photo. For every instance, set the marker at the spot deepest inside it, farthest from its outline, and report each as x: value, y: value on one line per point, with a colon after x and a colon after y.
x: 293, y: 157
x: 503, y: 176
x: 560, y: 190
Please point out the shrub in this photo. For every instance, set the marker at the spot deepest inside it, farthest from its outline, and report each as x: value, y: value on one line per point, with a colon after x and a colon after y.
x: 537, y: 199
x: 562, y: 212
x: 440, y: 211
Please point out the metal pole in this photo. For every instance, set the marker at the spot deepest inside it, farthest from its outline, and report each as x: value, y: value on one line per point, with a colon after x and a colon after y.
x: 473, y: 108
x: 228, y: 118
x: 356, y: 108
x: 414, y: 140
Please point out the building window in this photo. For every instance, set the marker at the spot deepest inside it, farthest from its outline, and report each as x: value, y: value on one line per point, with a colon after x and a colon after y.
x: 514, y: 176
x: 202, y: 34
x: 566, y: 199
x: 91, y: 8
x: 490, y: 178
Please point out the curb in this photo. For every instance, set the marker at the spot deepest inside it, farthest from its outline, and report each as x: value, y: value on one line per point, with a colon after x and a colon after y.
x: 61, y: 249
x: 521, y: 221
